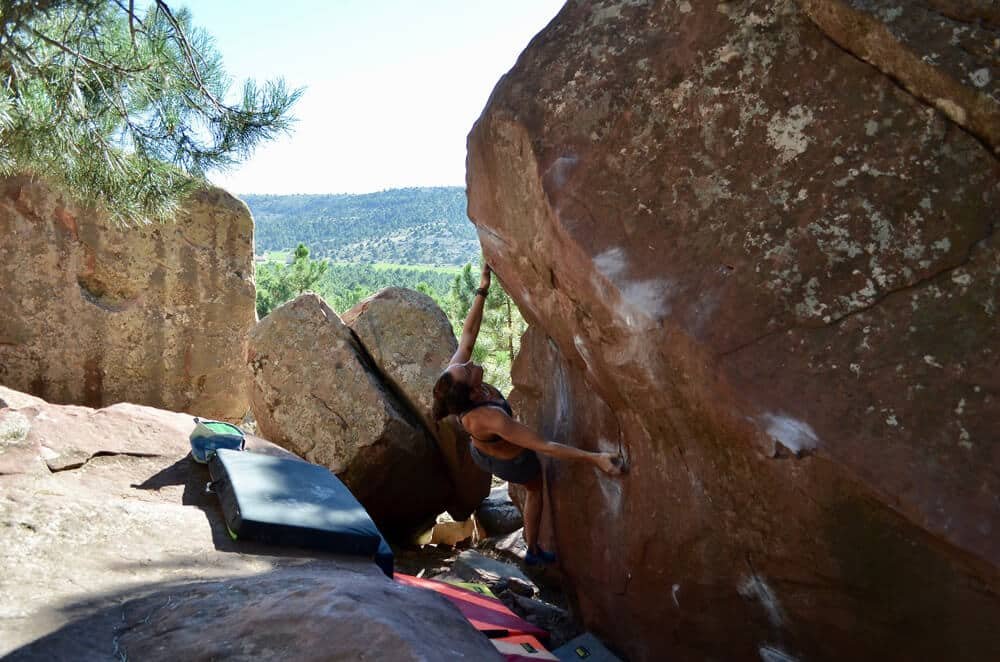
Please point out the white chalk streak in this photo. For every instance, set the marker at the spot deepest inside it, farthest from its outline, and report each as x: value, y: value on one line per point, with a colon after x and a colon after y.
x: 794, y: 434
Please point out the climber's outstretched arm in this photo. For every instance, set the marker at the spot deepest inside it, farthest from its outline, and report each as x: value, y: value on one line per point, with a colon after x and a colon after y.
x: 470, y: 330
x: 488, y: 421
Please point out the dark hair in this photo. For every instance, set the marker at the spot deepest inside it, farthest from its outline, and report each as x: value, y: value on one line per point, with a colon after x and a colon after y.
x: 450, y: 396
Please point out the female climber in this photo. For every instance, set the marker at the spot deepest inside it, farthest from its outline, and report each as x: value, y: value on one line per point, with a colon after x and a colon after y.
x: 500, y: 444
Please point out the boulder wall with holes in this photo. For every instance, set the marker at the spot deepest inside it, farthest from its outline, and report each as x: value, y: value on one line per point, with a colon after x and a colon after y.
x: 95, y: 314
x: 766, y: 270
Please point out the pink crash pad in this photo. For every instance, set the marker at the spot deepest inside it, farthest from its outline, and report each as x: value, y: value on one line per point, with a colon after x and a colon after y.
x: 488, y: 615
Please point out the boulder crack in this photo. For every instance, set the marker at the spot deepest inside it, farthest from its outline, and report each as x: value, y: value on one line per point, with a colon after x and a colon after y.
x: 79, y: 465
x: 343, y: 422
x: 978, y: 17
x: 928, y: 280
x: 982, y: 126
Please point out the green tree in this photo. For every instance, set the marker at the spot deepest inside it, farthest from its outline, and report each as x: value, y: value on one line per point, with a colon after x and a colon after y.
x: 278, y: 283
x: 501, y: 331
x: 124, y: 110
x: 305, y: 272
x: 463, y: 289
x: 273, y: 288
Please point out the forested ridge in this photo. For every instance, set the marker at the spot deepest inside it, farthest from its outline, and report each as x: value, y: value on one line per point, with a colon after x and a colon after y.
x: 347, y: 247
x: 402, y: 226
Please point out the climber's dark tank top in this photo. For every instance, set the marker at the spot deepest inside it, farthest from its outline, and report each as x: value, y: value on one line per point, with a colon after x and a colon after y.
x: 500, y: 403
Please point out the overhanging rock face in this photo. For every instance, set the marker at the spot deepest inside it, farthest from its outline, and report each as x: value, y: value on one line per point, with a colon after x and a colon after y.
x: 769, y: 274
x: 93, y: 314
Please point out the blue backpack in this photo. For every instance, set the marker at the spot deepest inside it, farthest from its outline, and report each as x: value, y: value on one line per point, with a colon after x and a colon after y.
x: 209, y: 436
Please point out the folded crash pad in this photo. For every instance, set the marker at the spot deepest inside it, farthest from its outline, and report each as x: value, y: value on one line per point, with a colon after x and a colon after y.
x: 291, y: 502
x: 488, y: 615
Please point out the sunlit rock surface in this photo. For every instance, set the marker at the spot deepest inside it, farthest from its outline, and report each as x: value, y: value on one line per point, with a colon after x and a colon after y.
x: 410, y: 339
x: 94, y: 314
x: 768, y: 273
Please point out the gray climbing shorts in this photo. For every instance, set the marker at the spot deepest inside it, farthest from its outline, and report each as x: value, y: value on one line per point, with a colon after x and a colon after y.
x: 520, y: 469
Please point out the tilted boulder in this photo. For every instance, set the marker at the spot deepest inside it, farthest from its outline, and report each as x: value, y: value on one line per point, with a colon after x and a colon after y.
x: 471, y: 484
x: 95, y: 314
x: 316, y: 392
x: 768, y: 274
x: 411, y: 341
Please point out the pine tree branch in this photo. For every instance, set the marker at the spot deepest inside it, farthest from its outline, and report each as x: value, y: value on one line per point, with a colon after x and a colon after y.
x: 188, y: 52
x: 131, y: 20
x: 95, y: 63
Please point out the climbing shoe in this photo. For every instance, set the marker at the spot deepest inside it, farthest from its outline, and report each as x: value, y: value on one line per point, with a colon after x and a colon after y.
x: 539, y: 557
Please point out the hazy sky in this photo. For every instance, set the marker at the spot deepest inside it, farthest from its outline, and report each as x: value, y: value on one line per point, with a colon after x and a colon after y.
x: 393, y: 86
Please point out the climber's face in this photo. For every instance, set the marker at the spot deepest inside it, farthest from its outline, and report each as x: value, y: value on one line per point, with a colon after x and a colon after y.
x: 467, y: 373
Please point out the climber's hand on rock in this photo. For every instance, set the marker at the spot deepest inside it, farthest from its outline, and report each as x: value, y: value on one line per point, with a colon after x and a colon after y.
x: 484, y: 280
x: 609, y: 463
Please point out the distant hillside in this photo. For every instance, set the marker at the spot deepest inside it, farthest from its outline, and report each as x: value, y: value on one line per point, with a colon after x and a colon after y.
x: 402, y: 226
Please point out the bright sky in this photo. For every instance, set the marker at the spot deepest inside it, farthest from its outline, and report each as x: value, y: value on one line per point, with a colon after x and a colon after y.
x: 393, y: 86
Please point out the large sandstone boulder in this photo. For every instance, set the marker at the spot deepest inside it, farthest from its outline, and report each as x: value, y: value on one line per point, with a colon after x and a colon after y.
x: 122, y: 554
x: 95, y: 314
x: 316, y: 392
x: 411, y: 340
x: 768, y: 274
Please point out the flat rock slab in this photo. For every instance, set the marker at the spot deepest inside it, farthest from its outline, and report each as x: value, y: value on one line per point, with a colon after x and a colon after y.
x: 554, y: 620
x: 512, y: 545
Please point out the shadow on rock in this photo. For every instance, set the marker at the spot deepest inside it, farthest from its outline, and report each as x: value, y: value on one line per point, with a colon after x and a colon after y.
x: 195, y: 478
x: 324, y: 610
